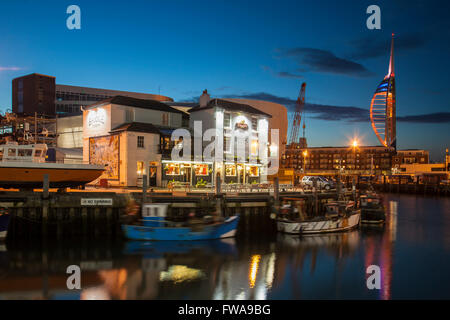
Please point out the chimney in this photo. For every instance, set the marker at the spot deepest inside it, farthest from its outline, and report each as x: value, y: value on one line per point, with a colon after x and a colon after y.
x: 204, y: 98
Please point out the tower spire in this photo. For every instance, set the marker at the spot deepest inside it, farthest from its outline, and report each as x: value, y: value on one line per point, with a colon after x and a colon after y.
x: 391, y: 60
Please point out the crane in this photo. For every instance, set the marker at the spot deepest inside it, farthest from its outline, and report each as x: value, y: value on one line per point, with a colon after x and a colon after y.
x: 296, y: 124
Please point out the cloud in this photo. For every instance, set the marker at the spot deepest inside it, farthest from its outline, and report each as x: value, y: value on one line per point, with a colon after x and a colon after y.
x: 282, y: 74
x: 438, y: 117
x: 286, y: 74
x: 324, y: 61
x: 319, y: 111
x: 372, y: 47
x: 10, y: 69
x: 340, y: 113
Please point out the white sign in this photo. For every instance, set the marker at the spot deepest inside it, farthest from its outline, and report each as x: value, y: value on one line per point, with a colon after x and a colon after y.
x: 96, y: 202
x: 96, y: 118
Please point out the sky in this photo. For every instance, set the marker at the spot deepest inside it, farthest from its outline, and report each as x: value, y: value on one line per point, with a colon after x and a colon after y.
x: 248, y: 49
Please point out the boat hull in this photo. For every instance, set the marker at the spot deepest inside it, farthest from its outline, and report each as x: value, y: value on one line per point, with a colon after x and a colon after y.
x: 373, y: 216
x: 59, y: 176
x: 225, y: 229
x: 320, y: 226
x: 4, y: 223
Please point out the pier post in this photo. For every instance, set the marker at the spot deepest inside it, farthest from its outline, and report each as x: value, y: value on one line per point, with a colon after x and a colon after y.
x: 354, y: 188
x: 316, y: 198
x: 276, y: 191
x: 218, y: 196
x: 44, y: 217
x: 144, y: 188
x: 338, y: 186
x: 46, y: 186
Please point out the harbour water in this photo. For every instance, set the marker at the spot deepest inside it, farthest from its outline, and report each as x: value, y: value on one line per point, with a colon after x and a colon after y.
x: 412, y: 251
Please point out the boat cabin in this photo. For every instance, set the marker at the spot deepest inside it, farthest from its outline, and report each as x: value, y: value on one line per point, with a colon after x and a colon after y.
x: 154, y: 214
x: 23, y: 153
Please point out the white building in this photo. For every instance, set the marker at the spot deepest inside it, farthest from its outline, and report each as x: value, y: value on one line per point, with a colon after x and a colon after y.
x: 241, y: 132
x: 130, y: 136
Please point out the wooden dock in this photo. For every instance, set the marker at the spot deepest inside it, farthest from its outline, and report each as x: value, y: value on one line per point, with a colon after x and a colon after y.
x: 99, y: 214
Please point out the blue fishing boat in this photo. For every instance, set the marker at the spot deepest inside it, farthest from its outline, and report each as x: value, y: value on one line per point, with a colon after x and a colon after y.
x: 4, y: 223
x: 156, y: 226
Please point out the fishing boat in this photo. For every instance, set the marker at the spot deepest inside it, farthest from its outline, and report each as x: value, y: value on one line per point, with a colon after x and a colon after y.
x: 4, y: 223
x: 157, y: 225
x: 372, y: 209
x: 338, y: 216
x: 24, y: 166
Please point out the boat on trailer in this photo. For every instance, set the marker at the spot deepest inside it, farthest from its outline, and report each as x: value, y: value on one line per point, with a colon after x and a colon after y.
x: 155, y: 225
x: 24, y: 167
x: 339, y: 216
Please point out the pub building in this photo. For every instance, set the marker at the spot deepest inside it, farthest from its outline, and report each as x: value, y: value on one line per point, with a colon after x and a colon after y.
x: 235, y: 121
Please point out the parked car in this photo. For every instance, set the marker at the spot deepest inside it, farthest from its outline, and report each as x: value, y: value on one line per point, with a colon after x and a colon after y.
x: 322, y: 182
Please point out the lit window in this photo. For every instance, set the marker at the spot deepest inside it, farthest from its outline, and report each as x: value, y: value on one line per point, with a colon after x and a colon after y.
x: 140, y: 168
x: 230, y: 170
x: 254, y: 147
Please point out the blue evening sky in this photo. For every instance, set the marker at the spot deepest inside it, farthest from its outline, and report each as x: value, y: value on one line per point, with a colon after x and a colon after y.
x: 247, y: 48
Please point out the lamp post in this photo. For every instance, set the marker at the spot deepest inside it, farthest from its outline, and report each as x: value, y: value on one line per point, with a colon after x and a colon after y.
x: 355, y: 145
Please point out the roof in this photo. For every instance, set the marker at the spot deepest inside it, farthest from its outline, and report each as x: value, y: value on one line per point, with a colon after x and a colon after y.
x: 136, y: 127
x: 137, y: 103
x: 230, y: 105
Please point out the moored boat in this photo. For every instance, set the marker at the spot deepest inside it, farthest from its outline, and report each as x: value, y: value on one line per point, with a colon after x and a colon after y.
x: 156, y: 225
x: 24, y: 166
x: 372, y: 209
x: 339, y: 216
x: 4, y: 223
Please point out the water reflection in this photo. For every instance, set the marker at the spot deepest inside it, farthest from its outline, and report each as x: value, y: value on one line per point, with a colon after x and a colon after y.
x: 329, y: 266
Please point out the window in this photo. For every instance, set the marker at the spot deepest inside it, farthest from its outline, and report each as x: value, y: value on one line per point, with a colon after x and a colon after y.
x: 230, y: 170
x: 11, y: 152
x: 172, y: 169
x: 227, y: 144
x: 254, y: 123
x: 140, y: 168
x: 25, y: 152
x: 140, y: 142
x: 227, y: 120
x: 254, y: 147
x: 129, y: 115
x: 201, y: 169
x: 165, y: 119
x: 253, y: 171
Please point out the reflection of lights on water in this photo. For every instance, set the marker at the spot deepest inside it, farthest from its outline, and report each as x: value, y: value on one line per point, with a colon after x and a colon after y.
x: 96, y: 293
x: 270, y: 270
x: 179, y: 273
x: 254, y: 265
x: 393, y: 219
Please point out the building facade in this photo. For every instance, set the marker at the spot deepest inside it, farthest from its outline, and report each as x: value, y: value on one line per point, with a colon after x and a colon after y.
x: 33, y: 93
x: 241, y: 139
x: 39, y: 93
x: 353, y: 160
x: 410, y: 156
x: 128, y: 135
